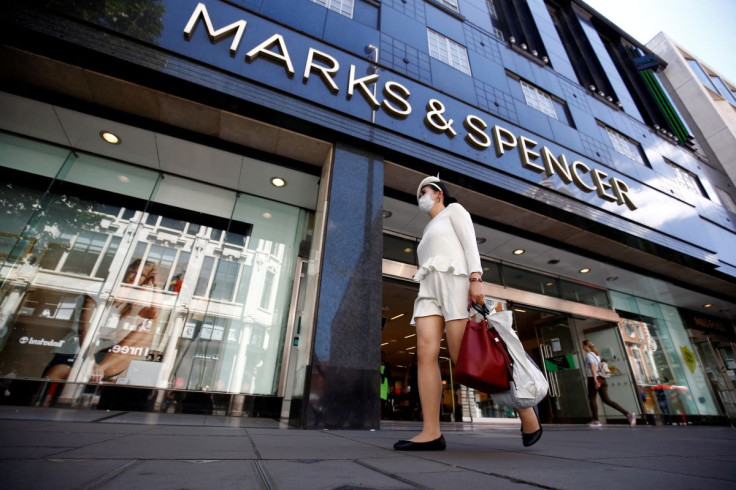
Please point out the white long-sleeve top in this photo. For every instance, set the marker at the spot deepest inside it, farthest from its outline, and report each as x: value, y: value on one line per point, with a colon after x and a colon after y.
x: 448, y: 244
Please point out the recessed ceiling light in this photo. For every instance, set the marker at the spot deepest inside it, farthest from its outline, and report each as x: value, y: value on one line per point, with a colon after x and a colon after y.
x: 111, y: 138
x: 519, y: 251
x: 124, y: 179
x: 553, y: 261
x: 386, y: 214
x: 480, y: 240
x: 408, y: 250
x: 707, y: 305
x: 612, y: 278
x: 278, y: 182
x: 549, y: 284
x: 266, y: 215
x: 584, y: 270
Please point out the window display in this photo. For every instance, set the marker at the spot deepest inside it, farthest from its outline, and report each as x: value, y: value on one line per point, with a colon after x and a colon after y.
x: 671, y: 383
x: 111, y: 274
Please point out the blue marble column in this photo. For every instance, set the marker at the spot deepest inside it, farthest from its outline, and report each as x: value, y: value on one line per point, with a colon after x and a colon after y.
x: 343, y: 383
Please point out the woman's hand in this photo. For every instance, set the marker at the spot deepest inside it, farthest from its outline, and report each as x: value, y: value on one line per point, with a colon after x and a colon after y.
x: 475, y: 293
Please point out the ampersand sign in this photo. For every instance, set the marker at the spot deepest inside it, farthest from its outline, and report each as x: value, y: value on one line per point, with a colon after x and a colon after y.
x: 435, y: 119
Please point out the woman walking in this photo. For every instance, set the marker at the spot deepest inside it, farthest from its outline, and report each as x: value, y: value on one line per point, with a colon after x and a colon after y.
x: 449, y: 279
x: 597, y: 385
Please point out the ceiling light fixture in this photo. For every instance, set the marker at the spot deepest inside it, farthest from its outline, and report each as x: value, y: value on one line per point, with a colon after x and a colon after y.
x: 266, y: 215
x: 278, y: 182
x: 707, y: 305
x: 110, y: 137
x: 584, y: 270
x: 397, y: 316
x: 386, y: 214
x: 480, y: 240
x: 519, y: 251
x: 410, y: 336
x: 408, y: 250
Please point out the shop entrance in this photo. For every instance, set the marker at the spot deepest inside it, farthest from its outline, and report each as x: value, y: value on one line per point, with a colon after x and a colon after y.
x: 719, y: 361
x: 399, y: 391
x: 548, y: 338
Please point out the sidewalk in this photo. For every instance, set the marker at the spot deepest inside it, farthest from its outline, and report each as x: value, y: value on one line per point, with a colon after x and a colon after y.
x: 69, y: 449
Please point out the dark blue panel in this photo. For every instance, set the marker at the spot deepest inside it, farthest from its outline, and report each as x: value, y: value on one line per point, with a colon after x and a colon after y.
x: 444, y: 23
x: 350, y: 35
x: 303, y: 15
x: 344, y: 384
x: 452, y: 81
x: 404, y: 28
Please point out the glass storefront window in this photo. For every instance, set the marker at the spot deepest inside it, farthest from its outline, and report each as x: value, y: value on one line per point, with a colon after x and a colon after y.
x: 113, y: 274
x: 670, y: 380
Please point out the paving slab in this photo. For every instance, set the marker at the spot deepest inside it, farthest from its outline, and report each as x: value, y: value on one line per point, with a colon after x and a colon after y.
x: 320, y: 475
x: 134, y: 450
x: 176, y: 475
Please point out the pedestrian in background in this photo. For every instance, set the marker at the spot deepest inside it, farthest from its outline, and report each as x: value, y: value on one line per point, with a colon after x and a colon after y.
x: 597, y: 385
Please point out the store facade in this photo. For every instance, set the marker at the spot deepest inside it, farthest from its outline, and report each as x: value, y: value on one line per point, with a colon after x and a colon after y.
x: 170, y: 272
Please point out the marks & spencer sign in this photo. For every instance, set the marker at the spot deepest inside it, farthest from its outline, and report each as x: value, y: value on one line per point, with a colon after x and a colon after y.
x: 394, y: 103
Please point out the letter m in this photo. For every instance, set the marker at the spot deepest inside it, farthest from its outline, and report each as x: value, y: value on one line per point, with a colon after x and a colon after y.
x: 215, y: 35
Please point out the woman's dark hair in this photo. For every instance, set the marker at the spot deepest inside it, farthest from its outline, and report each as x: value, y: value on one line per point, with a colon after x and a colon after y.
x: 447, y: 198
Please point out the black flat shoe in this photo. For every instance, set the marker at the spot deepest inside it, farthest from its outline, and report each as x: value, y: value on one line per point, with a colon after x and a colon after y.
x: 531, y: 439
x: 436, y: 445
x: 534, y: 437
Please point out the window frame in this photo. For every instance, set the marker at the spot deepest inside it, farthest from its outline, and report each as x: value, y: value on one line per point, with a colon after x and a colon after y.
x: 337, y: 6
x: 725, y: 199
x: 448, y: 44
x: 625, y: 145
x: 687, y: 180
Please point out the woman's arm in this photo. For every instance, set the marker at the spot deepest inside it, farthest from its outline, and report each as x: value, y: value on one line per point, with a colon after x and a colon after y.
x: 463, y: 225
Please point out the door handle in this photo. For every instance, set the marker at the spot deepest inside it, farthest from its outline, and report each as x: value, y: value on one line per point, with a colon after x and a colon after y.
x: 551, y: 376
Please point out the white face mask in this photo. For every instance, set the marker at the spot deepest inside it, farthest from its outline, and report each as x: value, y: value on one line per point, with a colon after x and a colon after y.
x: 426, y: 203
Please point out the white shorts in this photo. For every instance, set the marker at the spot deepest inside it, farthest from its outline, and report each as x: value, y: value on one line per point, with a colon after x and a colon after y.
x: 444, y: 294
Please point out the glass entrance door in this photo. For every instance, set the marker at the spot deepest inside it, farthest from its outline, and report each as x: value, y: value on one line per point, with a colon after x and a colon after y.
x: 548, y: 338
x: 720, y: 366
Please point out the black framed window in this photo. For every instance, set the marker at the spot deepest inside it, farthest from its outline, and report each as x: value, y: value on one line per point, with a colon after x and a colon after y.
x: 513, y: 21
x: 582, y: 56
x: 687, y: 180
x: 545, y: 102
x: 626, y: 146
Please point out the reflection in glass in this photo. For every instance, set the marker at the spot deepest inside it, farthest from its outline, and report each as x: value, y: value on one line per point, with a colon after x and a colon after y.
x: 101, y: 282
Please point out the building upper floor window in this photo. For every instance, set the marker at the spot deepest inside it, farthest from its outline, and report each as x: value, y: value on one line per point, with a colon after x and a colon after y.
x: 723, y: 89
x: 726, y: 200
x: 450, y: 4
x: 496, y: 20
x: 626, y: 146
x: 686, y: 179
x: 713, y: 82
x: 700, y: 73
x: 544, y: 102
x: 344, y: 7
x: 568, y: 19
x: 448, y: 51
x: 513, y: 21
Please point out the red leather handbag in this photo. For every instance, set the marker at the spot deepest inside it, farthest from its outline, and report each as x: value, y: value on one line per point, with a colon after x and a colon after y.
x: 483, y: 362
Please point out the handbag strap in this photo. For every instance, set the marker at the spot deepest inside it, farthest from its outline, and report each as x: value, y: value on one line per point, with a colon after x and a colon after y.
x: 482, y: 309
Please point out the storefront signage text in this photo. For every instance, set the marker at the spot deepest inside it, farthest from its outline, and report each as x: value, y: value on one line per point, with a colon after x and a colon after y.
x: 395, y: 103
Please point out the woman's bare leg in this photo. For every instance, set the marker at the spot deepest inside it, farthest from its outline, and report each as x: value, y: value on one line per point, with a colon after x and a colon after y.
x: 429, y: 337
x: 529, y: 421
